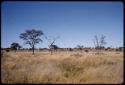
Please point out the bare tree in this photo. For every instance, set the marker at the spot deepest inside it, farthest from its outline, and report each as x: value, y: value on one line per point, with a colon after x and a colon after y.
x: 15, y: 46
x: 99, y: 43
x: 51, y: 45
x: 31, y: 37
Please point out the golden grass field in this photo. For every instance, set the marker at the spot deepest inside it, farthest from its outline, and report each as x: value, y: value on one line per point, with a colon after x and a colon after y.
x: 62, y: 67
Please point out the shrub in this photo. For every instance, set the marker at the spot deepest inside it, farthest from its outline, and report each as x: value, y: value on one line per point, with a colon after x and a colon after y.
x: 86, y: 51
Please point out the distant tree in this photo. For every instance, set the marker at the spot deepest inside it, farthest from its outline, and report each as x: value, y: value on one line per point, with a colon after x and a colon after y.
x: 51, y: 45
x: 31, y: 37
x: 120, y: 49
x: 80, y: 47
x: 55, y: 47
x: 70, y: 49
x: 99, y: 43
x: 15, y: 46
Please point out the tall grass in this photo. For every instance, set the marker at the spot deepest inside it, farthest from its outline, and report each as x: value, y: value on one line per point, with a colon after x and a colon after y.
x: 62, y: 67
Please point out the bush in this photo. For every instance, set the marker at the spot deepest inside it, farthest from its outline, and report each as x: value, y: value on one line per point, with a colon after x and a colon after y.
x: 86, y: 51
x: 7, y: 50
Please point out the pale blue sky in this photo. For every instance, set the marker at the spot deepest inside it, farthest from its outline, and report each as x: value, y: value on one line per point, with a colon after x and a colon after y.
x: 75, y: 22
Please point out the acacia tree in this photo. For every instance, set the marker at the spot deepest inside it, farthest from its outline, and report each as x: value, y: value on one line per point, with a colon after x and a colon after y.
x: 99, y: 43
x: 15, y: 46
x: 51, y: 45
x: 31, y: 37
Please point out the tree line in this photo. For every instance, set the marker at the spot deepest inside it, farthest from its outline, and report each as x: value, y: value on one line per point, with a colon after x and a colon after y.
x: 32, y: 37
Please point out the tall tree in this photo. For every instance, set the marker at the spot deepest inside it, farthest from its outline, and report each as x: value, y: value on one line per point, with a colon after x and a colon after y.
x: 32, y: 37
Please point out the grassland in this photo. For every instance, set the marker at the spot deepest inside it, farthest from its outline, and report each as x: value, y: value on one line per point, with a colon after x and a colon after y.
x: 62, y: 67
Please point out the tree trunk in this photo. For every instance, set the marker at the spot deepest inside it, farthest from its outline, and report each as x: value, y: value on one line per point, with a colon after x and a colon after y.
x: 51, y: 51
x: 33, y: 49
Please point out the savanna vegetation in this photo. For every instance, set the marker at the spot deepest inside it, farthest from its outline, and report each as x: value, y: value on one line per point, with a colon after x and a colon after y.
x: 81, y: 65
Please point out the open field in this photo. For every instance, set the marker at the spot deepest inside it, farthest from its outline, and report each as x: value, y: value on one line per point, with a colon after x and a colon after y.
x: 62, y: 67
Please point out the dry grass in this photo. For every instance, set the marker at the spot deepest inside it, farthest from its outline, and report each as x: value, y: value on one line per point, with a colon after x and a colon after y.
x: 62, y: 67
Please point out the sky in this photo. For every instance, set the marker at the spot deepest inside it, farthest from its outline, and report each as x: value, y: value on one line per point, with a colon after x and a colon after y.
x: 75, y: 23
